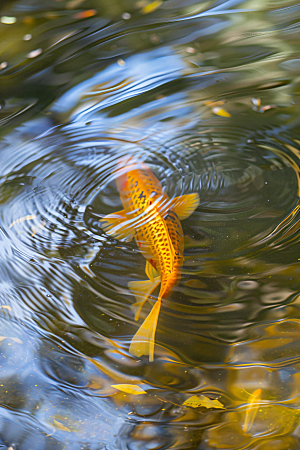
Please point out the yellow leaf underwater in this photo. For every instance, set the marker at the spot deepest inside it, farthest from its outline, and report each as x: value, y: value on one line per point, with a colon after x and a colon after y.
x: 202, y: 400
x: 151, y: 7
x: 220, y: 112
x: 60, y: 426
x: 22, y: 219
x: 129, y: 389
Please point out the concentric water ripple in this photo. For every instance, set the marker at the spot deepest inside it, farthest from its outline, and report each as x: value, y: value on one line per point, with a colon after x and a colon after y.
x: 60, y: 270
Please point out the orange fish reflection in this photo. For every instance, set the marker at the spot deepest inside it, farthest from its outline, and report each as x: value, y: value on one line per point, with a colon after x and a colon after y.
x: 251, y: 410
x: 153, y: 219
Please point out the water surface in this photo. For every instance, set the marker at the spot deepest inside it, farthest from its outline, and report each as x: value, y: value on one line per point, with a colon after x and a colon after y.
x: 207, y: 94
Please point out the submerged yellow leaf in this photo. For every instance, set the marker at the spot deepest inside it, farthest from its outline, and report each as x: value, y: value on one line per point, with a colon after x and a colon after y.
x: 151, y: 7
x: 22, y: 219
x: 60, y: 425
x: 129, y: 388
x: 202, y: 400
x: 221, y: 112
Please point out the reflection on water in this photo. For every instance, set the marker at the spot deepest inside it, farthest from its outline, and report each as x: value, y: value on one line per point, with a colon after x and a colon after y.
x: 207, y: 94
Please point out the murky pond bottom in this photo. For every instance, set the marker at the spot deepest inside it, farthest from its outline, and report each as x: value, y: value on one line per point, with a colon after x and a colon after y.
x: 207, y: 96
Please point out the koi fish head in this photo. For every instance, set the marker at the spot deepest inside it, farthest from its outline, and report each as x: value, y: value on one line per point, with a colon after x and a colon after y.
x: 125, y: 165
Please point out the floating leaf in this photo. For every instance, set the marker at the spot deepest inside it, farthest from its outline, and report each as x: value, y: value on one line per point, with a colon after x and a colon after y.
x: 6, y: 307
x: 220, y: 112
x: 22, y: 219
x: 60, y: 426
x: 129, y: 388
x: 202, y: 400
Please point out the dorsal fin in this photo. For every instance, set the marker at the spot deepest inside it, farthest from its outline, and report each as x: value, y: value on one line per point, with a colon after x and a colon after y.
x: 185, y: 205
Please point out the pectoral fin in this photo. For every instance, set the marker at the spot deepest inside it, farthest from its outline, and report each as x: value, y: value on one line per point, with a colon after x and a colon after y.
x: 141, y: 290
x: 184, y: 205
x: 117, y: 225
x: 151, y: 272
x: 143, y: 341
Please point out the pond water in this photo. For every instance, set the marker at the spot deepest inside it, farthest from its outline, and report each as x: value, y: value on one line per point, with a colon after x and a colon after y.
x: 207, y: 94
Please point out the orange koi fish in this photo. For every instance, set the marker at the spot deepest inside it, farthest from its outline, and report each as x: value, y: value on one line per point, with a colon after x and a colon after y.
x: 153, y: 219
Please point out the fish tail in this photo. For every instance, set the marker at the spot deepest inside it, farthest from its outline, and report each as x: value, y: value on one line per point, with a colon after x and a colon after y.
x: 143, y: 341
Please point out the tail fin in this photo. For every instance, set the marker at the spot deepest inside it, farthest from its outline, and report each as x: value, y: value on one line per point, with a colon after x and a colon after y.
x: 141, y: 290
x: 143, y: 341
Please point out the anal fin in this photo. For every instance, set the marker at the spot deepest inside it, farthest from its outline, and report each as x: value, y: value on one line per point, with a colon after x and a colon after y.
x: 141, y: 290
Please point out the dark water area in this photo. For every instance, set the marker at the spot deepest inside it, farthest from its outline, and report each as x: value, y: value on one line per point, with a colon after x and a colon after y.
x: 207, y: 94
